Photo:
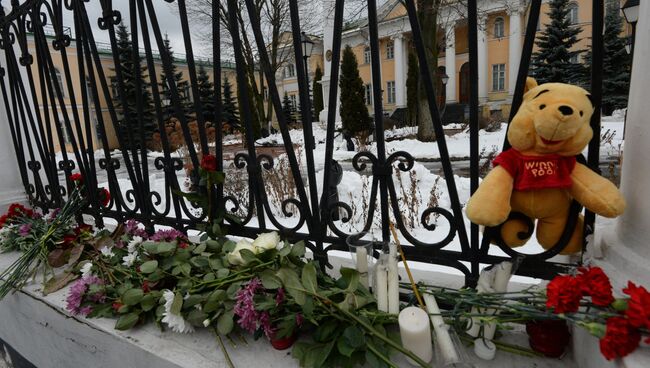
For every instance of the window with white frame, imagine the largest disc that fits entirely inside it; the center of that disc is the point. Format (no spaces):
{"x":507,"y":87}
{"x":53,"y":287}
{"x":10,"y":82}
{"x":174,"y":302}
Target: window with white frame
{"x":368,"y":94}
{"x":390,"y":89}
{"x":499,"y":27}
{"x":366,"y":55}
{"x":390,"y":50}
{"x":573,"y":13}
{"x":498,"y":77}
{"x":289,"y":71}
{"x":294,"y":101}
{"x":59,"y":81}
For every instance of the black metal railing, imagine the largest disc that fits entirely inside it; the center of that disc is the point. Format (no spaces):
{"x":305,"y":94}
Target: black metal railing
{"x":38,"y":48}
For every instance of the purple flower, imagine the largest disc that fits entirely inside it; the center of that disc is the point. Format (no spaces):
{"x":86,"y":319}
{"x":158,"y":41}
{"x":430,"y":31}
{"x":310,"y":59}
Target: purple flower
{"x":167,"y":235}
{"x":25,"y":229}
{"x":299,"y":319}
{"x":76,"y":295}
{"x":245,"y":306}
{"x":279,"y":297}
{"x":54,"y":213}
{"x":132,"y":227}
{"x":265,"y":323}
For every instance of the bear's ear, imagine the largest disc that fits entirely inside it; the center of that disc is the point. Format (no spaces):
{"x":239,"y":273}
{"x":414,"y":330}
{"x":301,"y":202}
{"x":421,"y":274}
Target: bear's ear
{"x":530,"y":84}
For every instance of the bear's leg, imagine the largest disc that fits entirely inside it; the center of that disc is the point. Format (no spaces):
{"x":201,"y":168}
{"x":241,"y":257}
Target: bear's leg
{"x":511,"y":231}
{"x":549,"y":231}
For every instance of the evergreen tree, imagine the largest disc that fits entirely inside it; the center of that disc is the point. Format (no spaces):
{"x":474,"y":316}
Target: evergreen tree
{"x":182,"y":86}
{"x":134,"y":127}
{"x":354,"y":114}
{"x":552,"y":61}
{"x":318,"y":92}
{"x":287,"y":109}
{"x":229,"y":113}
{"x":412,"y":76}
{"x":206,"y":94}
{"x":617,"y":63}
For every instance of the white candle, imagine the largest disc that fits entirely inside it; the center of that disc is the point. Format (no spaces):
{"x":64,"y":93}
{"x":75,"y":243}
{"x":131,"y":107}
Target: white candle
{"x":416,"y":333}
{"x":502,"y":275}
{"x":447,"y":349}
{"x":393,"y":280}
{"x":485,"y":281}
{"x":380,"y":287}
{"x":362,"y":265}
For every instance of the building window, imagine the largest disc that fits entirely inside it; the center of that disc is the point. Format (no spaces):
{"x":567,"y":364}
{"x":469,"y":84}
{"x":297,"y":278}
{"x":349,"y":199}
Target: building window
{"x":366,"y":55}
{"x":573,"y":13}
{"x":499,"y":27}
{"x":498,"y":77}
{"x":368,"y":94}
{"x":390,"y":88}
{"x":114,"y":88}
{"x":294,"y":102}
{"x":59,"y":81}
{"x":390,"y":50}
{"x":290,"y":71}
{"x":574,"y":59}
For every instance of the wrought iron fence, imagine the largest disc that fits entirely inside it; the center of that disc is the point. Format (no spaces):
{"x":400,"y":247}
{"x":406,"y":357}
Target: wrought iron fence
{"x":40,"y":118}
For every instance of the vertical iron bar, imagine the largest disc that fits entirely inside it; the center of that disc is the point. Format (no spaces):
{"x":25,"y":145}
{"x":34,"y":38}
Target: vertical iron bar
{"x":472,"y":19}
{"x":375,"y":70}
{"x":216,"y":75}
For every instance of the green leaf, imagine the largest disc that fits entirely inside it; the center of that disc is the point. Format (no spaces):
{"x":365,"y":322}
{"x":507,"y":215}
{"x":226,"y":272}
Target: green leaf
{"x":209,"y":277}
{"x":215,"y":263}
{"x":326,"y":331}
{"x":349,"y":279}
{"x":225,"y":323}
{"x":344,"y":348}
{"x":149,"y":266}
{"x":285,"y":251}
{"x":150,"y":247}
{"x":292,"y":284}
{"x":298,"y":249}
{"x":309,"y":277}
{"x":213,"y":245}
{"x":192,"y":300}
{"x":196,"y":317}
{"x":177,"y":305}
{"x":127,"y":321}
{"x":233,"y":289}
{"x":148,"y":302}
{"x":132,"y":296}
{"x":269,"y":280}
{"x":215,"y":301}
{"x":199,"y":248}
{"x":165,"y":247}
{"x":317,"y":354}
{"x":247,"y":256}
{"x":373,"y":361}
{"x":354,"y":336}
{"x":223,"y":272}
{"x":229,"y":246}
{"x":186,"y":269}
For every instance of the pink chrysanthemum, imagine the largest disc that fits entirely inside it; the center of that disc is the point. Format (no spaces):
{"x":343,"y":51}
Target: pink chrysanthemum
{"x":245,"y":306}
{"x":168,"y":235}
{"x":78,"y":291}
{"x":132,"y":227}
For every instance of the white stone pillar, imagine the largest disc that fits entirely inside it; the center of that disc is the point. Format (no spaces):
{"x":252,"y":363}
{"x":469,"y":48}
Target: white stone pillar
{"x":450,"y":63}
{"x":514,"y":48}
{"x":11,"y":187}
{"x":328,"y":38}
{"x":400,"y":67}
{"x":482,"y":59}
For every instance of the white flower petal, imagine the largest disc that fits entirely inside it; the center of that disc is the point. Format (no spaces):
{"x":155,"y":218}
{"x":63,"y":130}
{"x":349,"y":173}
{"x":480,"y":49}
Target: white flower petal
{"x":266,"y":241}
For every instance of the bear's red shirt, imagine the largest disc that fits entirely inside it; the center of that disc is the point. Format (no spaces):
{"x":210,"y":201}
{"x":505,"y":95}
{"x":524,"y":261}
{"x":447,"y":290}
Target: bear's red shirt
{"x":537,"y":172}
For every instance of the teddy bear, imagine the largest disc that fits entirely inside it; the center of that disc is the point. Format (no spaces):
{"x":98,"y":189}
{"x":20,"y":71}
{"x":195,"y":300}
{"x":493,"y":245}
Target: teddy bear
{"x":539,"y":175}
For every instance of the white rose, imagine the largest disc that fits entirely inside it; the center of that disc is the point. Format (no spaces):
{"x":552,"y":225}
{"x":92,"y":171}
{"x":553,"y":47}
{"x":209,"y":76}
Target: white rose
{"x":235,"y":257}
{"x":266,"y":241}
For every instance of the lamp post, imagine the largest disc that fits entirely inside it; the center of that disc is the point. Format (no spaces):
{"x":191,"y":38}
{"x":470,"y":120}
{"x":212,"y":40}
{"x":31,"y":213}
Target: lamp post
{"x":631,"y":13}
{"x":307,"y":48}
{"x":444,"y":78}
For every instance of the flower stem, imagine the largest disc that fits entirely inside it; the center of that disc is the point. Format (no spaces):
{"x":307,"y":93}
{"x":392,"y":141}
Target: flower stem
{"x":381,"y":356}
{"x":223,"y":349}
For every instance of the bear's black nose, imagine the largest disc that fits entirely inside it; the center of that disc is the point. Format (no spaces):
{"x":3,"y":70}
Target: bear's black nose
{"x":565,"y":110}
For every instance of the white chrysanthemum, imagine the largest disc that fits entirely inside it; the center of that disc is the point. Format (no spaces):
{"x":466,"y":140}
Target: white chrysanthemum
{"x":129,"y":259}
{"x":133,"y":244}
{"x":86,"y":270}
{"x":107,"y":252}
{"x":206,"y":322}
{"x":266,"y":241}
{"x":175,"y":322}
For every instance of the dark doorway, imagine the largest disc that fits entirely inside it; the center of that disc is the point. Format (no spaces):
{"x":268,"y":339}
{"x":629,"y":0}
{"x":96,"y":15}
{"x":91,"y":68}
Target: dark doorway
{"x":441,"y":91}
{"x":464,"y":84}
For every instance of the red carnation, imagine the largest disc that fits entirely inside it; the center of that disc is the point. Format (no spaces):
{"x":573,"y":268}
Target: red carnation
{"x":563,"y":294}
{"x":145,"y":286}
{"x":77,"y":177}
{"x":595,"y":283}
{"x":209,"y":163}
{"x":104,"y":196}
{"x":3,"y":220}
{"x":17,"y":209}
{"x":183,"y":245}
{"x":638,"y":307}
{"x":116,"y":306}
{"x":68,"y":239}
{"x":621,"y":338}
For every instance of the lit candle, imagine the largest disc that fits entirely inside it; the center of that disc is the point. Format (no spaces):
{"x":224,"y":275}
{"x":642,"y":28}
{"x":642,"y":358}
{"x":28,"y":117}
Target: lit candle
{"x":362,"y":265}
{"x":380,"y":287}
{"x":443,"y":339}
{"x":416,"y":333}
{"x":393,"y":280}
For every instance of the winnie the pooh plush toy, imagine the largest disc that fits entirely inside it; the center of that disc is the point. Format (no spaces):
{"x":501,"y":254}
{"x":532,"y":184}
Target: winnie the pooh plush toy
{"x":539,"y":175}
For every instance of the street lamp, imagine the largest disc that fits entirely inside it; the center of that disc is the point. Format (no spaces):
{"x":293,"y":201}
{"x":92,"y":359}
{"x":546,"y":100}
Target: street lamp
{"x":444,"y":78}
{"x":307,"y":48}
{"x":631,"y":13}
